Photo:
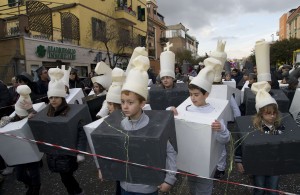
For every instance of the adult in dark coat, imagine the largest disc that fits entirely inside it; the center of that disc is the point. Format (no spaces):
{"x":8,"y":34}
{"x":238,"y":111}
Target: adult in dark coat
{"x":74,"y":81}
{"x":5,"y":101}
{"x":43,"y":80}
{"x":13,"y":91}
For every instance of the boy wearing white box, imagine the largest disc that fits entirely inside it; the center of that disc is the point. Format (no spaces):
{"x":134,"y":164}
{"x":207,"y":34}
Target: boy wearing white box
{"x":199,"y":89}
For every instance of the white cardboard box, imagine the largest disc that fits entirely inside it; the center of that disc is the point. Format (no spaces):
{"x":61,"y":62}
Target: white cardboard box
{"x":198,"y":149}
{"x":75,"y":96}
{"x":16,"y":151}
{"x":231,"y":83}
{"x":89,"y":128}
{"x":225,"y":92}
{"x":295,"y":106}
{"x":243,"y":91}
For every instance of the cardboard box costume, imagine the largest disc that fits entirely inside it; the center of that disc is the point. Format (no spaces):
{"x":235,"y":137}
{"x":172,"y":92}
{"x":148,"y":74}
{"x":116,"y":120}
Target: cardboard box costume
{"x":146,"y":146}
{"x":16,"y":151}
{"x":198,"y":148}
{"x":274,"y":154}
{"x":59,"y":130}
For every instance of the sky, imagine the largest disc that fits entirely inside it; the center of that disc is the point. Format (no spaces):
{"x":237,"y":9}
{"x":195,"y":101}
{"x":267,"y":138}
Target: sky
{"x":238,"y":22}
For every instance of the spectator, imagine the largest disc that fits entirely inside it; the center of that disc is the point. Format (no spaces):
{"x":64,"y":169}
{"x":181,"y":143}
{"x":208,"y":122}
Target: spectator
{"x":43,"y":80}
{"x":74,"y":81}
{"x":12,"y":91}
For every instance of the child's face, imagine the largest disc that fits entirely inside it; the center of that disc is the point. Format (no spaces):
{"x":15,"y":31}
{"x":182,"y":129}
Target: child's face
{"x":131,"y":106}
{"x":97,"y":88}
{"x":269,"y":116}
{"x":167,"y":82}
{"x":197,"y":97}
{"x":110,"y":107}
{"x":55,"y":102}
{"x":251,"y":81}
{"x":228,"y":77}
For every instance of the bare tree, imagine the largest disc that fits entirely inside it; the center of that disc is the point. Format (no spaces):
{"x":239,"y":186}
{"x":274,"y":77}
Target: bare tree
{"x":111,"y":34}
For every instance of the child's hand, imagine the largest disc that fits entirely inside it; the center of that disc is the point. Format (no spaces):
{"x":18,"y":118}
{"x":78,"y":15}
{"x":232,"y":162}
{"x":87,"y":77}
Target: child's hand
{"x":100,"y":175}
{"x":216,"y":126}
{"x":164,"y":187}
{"x":31,"y":115}
{"x":26,"y":105}
{"x":240,"y":167}
{"x":173,"y":109}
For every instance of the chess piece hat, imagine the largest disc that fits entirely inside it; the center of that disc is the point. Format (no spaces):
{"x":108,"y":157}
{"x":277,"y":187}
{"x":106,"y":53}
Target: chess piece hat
{"x":114,"y":92}
{"x":262,"y":98}
{"x":136,"y":52}
{"x":262,"y":55}
{"x":219,"y":54}
{"x":137,"y":78}
{"x":104,"y":72}
{"x":167,"y":62}
{"x":56,"y":86}
{"x":66,"y":75}
{"x":205,"y":77}
{"x":23,"y":91}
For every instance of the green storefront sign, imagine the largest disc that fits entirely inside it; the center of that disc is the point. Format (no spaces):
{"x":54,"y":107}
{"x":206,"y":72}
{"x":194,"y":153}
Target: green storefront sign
{"x":56,"y":52}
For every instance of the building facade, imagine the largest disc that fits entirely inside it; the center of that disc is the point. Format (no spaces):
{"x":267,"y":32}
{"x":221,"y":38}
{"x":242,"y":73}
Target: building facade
{"x":177,"y":34}
{"x":293,"y":24}
{"x":75,"y":33}
{"x":155,"y":34}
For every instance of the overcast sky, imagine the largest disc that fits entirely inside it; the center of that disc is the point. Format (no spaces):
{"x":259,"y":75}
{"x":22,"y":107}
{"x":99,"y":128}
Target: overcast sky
{"x":239,"y":22}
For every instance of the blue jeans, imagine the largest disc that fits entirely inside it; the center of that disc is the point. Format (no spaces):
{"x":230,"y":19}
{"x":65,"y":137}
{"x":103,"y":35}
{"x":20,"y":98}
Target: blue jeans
{"x":270,"y":182}
{"x":123,"y":192}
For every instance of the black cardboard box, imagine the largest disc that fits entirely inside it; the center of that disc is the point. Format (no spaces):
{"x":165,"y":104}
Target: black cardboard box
{"x":94,"y":104}
{"x":265,"y":154}
{"x":280,"y":97}
{"x":146,"y":146}
{"x":160,"y":98}
{"x":59,"y":130}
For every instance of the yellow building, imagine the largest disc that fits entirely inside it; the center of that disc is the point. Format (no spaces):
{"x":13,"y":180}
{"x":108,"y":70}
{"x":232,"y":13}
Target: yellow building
{"x":77,"y":33}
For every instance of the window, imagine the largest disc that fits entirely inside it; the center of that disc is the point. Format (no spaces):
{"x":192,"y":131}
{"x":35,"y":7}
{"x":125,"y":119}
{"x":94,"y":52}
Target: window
{"x":98,"y":29}
{"x":141,"y":13}
{"x":124,"y":37}
{"x":142,"y":41}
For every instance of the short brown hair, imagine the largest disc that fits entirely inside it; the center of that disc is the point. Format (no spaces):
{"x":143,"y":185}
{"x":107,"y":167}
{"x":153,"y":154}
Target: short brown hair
{"x":139,"y":97}
{"x":192,"y":86}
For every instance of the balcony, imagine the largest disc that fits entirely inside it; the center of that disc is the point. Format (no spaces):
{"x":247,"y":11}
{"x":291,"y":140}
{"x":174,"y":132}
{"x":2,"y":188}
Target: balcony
{"x":125,"y":15}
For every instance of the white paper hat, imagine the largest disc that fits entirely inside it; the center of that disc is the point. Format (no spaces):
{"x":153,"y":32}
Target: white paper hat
{"x":114,"y":92}
{"x":137,"y":78}
{"x":216,"y":65}
{"x":24,"y":92}
{"x":104,"y":72}
{"x":66,"y":75}
{"x":136,"y":52}
{"x":56,"y":86}
{"x":167,"y":62}
{"x":262,"y":56}
{"x":221,"y":55}
{"x":204,"y":79}
{"x":262,"y":98}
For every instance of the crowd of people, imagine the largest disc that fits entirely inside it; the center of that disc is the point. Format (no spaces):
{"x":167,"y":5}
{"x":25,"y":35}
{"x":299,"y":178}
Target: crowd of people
{"x":130,"y":96}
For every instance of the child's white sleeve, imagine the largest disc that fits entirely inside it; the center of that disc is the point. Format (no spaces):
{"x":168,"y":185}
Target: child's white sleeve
{"x":104,"y":110}
{"x":223,"y":136}
{"x":171,"y":164}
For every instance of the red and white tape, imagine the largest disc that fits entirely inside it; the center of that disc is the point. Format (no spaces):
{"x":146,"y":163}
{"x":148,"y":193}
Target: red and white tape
{"x":141,"y":165}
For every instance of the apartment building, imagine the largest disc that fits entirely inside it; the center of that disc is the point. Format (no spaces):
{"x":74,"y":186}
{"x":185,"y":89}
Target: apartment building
{"x":177,"y":34}
{"x":77,"y":33}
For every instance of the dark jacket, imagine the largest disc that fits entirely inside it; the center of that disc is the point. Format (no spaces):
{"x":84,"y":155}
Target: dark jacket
{"x":6,"y":107}
{"x":65,"y":163}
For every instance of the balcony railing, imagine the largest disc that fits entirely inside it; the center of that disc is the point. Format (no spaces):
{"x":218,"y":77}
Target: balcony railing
{"x":126,"y":9}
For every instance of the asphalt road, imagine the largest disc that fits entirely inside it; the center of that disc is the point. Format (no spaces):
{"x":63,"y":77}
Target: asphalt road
{"x":87,"y":177}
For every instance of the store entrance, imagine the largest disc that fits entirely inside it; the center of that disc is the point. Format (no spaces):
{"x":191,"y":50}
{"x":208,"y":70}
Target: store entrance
{"x":55,"y":64}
